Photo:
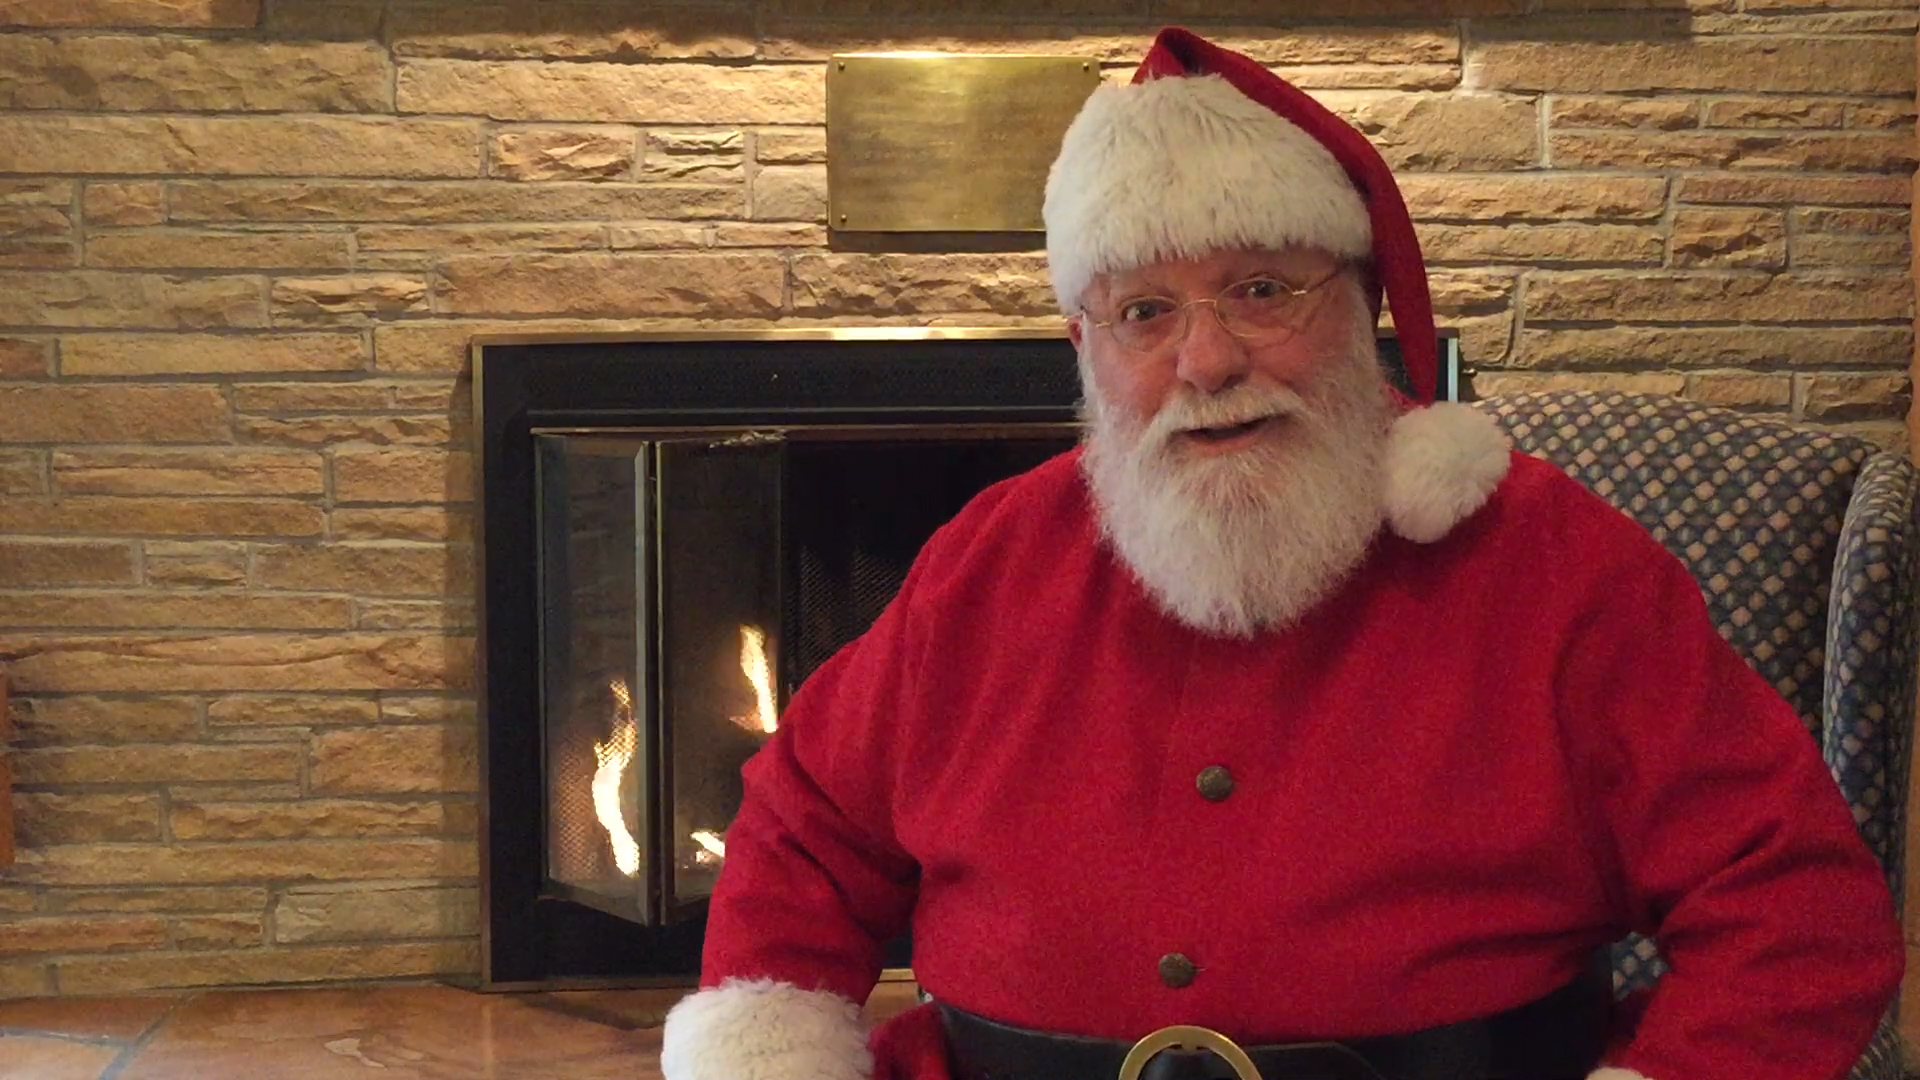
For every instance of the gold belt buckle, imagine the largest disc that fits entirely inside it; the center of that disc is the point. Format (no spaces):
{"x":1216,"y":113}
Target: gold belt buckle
{"x":1187,"y":1037}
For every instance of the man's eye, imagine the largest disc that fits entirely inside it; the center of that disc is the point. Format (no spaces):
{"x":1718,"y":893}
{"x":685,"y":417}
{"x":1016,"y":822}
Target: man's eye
{"x":1261,"y":288}
{"x":1144,"y":310}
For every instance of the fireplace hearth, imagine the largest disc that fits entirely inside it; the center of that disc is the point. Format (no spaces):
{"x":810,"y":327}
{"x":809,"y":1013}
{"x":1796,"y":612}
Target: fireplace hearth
{"x":676,"y":530}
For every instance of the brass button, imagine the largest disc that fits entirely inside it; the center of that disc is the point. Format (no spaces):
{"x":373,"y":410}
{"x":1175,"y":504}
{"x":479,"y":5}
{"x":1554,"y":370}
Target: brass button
{"x":1177,"y":971}
{"x":1215,"y":783}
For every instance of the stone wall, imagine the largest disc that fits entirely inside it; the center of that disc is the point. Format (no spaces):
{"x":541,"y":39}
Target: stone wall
{"x":243,"y":246}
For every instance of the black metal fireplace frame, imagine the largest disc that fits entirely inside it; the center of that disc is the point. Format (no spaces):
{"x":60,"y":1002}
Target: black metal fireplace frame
{"x":533,"y":936}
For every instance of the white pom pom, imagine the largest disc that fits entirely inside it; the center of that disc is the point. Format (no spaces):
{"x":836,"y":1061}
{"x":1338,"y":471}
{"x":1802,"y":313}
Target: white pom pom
{"x":1443,"y":461}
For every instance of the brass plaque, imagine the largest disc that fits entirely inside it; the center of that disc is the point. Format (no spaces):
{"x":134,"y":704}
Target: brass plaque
{"x":945,"y":143}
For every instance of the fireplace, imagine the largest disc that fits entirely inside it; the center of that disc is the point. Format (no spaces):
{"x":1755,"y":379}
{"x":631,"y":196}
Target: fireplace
{"x":676,"y":531}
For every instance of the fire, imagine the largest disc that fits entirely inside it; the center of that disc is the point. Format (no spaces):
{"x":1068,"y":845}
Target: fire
{"x":753,"y":661}
{"x":613,"y":757}
{"x":711,"y":842}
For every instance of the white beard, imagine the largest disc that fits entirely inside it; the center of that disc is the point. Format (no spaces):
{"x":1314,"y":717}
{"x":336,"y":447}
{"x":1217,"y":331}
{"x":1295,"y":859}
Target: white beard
{"x":1249,"y":540}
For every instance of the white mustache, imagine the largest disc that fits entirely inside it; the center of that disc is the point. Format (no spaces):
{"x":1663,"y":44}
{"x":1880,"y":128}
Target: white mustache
{"x":1241,"y":405}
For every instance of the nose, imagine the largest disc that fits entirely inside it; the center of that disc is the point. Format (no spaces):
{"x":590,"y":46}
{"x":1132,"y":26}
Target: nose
{"x":1210,"y":359}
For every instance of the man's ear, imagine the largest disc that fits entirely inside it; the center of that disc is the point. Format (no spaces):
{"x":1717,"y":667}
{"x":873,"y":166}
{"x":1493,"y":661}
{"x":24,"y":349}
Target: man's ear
{"x":1076,"y":330}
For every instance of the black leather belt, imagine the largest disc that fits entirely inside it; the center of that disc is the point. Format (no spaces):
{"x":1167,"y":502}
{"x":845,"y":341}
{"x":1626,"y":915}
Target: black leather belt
{"x":1558,"y":1037}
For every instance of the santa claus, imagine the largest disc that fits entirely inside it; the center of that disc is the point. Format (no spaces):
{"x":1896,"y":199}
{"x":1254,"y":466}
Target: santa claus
{"x":1291,"y":726}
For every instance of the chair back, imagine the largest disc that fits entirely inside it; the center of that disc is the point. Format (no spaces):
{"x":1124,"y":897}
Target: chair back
{"x":1804,"y":544}
{"x":1752,"y":505}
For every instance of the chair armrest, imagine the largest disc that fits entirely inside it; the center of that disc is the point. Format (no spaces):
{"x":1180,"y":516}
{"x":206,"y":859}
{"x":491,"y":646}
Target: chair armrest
{"x":1882,"y":1060}
{"x":1872,"y":632}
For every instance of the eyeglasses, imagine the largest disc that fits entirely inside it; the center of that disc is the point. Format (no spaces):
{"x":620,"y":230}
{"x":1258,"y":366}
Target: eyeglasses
{"x":1258,"y":308}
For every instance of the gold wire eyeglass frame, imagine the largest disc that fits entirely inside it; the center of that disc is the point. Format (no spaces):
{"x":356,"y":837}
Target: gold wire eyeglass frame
{"x":1183,"y":311}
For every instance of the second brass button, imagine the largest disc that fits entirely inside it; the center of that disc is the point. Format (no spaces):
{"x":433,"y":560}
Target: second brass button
{"x":1177,"y":971}
{"x":1215,"y":783}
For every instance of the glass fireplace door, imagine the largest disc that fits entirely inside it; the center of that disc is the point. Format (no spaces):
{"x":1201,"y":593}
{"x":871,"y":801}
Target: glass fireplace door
{"x":660,"y":638}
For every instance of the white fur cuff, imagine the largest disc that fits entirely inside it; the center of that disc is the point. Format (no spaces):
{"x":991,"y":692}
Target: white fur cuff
{"x":1443,"y":461}
{"x":764,"y":1030}
{"x":1611,"y":1073}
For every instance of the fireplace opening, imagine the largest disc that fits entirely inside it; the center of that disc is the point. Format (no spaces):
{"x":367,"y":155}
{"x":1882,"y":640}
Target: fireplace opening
{"x":691,"y":580}
{"x":675,"y":531}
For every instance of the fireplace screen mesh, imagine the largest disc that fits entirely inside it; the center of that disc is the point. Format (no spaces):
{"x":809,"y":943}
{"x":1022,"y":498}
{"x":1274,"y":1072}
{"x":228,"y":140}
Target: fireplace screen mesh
{"x":718,"y":530}
{"x":859,"y":511}
{"x":660,"y":650}
{"x":589,"y":643}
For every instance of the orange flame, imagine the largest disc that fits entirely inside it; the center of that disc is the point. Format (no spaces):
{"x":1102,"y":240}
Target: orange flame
{"x":613,"y":757}
{"x":759,"y":672}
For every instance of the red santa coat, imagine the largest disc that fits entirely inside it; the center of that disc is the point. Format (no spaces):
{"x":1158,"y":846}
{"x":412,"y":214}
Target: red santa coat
{"x":1476,"y":762}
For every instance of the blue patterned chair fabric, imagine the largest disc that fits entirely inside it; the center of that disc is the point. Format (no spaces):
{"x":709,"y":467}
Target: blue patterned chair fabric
{"x":1804,"y":545}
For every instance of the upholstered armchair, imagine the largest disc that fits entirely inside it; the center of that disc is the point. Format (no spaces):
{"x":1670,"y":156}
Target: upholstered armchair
{"x":1805,"y":546}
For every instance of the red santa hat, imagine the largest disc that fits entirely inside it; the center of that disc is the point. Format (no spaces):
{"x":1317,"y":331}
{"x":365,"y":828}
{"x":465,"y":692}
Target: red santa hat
{"x":1206,"y":150}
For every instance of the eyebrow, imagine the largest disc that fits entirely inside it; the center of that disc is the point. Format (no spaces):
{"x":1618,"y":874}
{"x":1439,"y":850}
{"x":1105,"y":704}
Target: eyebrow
{"x":1117,"y":291}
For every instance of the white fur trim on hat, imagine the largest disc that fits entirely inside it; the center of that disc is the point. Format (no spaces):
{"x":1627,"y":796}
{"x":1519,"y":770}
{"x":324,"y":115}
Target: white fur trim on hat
{"x":1611,"y":1073}
{"x":1442,"y":462}
{"x":1181,"y":166}
{"x":760,"y":1029}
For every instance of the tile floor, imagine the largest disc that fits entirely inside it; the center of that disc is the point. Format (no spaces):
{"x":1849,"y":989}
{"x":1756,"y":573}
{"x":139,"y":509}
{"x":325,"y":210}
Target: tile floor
{"x":420,"y":1032}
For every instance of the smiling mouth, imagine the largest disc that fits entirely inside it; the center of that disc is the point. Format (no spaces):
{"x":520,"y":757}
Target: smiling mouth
{"x":1230,"y":432}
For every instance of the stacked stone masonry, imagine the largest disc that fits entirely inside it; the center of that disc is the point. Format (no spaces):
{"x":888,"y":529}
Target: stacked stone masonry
{"x":244,"y":243}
